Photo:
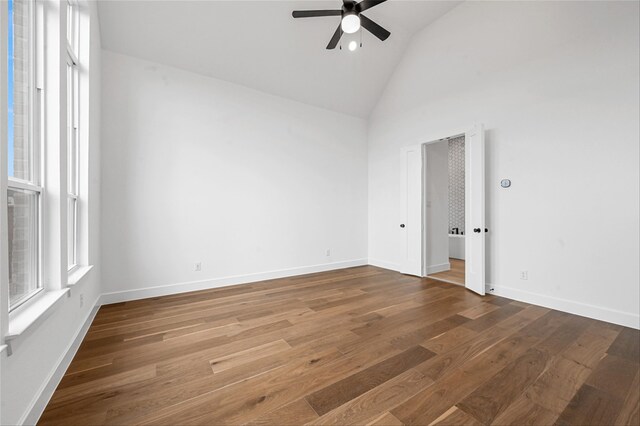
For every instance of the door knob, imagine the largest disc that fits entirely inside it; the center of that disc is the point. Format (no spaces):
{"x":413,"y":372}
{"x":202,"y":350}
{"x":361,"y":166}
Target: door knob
{"x":402,"y":225}
{"x":477,"y":230}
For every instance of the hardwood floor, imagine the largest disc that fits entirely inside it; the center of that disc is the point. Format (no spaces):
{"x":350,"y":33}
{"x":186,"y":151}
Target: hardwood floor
{"x":455,"y":275}
{"x":356,"y":346}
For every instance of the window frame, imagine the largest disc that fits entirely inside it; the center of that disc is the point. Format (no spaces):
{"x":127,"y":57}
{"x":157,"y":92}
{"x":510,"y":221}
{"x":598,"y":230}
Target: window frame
{"x":36,"y":165}
{"x":72,"y":162}
{"x":73,"y":133}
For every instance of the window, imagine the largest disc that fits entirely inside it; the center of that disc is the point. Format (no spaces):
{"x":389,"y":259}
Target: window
{"x":72,"y":134}
{"x":24,"y":191}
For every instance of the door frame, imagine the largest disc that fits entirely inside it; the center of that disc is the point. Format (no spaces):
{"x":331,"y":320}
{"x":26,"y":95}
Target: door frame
{"x":437,"y":137}
{"x":425,"y":228}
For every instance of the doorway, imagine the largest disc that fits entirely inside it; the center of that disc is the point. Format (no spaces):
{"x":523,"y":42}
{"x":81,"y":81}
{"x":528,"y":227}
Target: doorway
{"x":444,"y":209}
{"x":418,"y":236}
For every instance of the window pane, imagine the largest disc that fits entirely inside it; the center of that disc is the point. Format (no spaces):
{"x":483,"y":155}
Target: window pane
{"x":19,"y":70}
{"x":72,"y":162}
{"x":71,"y":131}
{"x":72,"y":211}
{"x":23,"y":244}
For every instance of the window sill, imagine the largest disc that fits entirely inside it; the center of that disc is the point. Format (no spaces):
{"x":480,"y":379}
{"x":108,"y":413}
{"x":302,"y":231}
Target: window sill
{"x":78,"y":274}
{"x":33,"y":313}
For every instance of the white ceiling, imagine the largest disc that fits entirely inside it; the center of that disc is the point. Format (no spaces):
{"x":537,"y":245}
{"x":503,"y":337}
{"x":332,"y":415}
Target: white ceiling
{"x":259,"y":45}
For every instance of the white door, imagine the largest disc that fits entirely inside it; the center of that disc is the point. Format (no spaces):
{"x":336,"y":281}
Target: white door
{"x":411,"y":210}
{"x":474,"y":210}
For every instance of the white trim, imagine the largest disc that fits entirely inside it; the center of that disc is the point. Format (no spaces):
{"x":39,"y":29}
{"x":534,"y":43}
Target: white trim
{"x":78,"y":272}
{"x":384,"y":264}
{"x":4,"y":242}
{"x":626,"y":319}
{"x":28,"y":315}
{"x":144,"y":293}
{"x":434,"y":269}
{"x":23,"y":185}
{"x":43,"y":396}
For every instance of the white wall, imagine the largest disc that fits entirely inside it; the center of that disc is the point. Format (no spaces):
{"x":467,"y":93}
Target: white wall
{"x":200,"y":170}
{"x":31,"y":373}
{"x":556,"y":85}
{"x":436,"y":190}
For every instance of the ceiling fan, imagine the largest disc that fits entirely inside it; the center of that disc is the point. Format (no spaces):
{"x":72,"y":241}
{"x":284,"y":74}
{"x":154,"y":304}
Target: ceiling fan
{"x":352,"y":18}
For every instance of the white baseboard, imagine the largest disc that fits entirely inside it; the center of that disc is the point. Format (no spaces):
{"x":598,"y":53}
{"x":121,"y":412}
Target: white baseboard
{"x":434,"y":269}
{"x":144,"y":293}
{"x":42,"y":398}
{"x":626,"y":319}
{"x":384,"y":264}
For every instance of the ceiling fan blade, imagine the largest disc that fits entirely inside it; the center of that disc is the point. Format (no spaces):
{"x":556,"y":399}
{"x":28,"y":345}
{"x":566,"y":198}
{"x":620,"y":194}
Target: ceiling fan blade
{"x":367,"y":4}
{"x":315,"y":13}
{"x":374,"y":28}
{"x":335,"y":39}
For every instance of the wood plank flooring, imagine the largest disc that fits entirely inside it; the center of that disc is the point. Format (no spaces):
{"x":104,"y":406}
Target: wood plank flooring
{"x":454,"y":275}
{"x":355,"y":346}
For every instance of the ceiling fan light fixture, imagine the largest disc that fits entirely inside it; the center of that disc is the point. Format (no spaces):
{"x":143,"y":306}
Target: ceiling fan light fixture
{"x":353,"y":45}
{"x":350,"y":20}
{"x":350,"y":23}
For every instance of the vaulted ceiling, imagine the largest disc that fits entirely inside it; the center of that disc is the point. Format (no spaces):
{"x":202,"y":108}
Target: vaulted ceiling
{"x":259,"y":45}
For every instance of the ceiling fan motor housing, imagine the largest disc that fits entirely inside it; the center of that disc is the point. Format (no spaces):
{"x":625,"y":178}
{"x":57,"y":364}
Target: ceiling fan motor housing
{"x":349,"y":8}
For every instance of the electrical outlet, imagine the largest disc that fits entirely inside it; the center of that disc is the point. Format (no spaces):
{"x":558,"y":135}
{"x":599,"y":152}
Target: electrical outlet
{"x":524,"y":275}
{"x":328,"y":252}
{"x":81,"y":300}
{"x":198,"y":267}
